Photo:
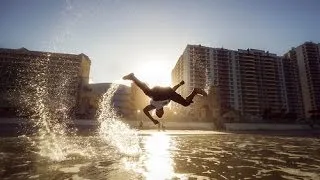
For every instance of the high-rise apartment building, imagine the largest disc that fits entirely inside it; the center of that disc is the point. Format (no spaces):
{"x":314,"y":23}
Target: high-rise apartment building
{"x":192,"y":68}
{"x":250,"y":81}
{"x":293,"y":95}
{"x":306,"y":59}
{"x":261,"y":85}
{"x":53,"y":78}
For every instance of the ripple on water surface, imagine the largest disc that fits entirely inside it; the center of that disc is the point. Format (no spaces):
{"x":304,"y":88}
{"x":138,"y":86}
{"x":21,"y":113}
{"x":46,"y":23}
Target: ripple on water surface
{"x":206,"y":156}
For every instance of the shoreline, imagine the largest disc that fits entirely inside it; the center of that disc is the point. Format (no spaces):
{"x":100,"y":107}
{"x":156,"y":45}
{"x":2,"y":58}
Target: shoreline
{"x":293,"y":134}
{"x":11,"y":127}
{"x":92,"y":132}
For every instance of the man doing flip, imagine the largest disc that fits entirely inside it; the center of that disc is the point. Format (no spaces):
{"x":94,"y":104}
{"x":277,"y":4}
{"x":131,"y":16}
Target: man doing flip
{"x":161,"y":96}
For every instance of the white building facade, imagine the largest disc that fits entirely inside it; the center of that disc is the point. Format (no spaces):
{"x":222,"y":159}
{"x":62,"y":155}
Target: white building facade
{"x":249,"y":81}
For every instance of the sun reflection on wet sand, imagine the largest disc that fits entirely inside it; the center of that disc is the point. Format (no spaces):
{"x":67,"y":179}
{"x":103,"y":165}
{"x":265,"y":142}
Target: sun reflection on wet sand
{"x":156,"y":163}
{"x":159,"y":162}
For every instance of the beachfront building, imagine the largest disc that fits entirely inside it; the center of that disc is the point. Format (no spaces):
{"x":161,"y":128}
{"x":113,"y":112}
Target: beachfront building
{"x":30,"y":79}
{"x":293,"y":93}
{"x":251,"y":82}
{"x":260,"y":83}
{"x":306,"y":59}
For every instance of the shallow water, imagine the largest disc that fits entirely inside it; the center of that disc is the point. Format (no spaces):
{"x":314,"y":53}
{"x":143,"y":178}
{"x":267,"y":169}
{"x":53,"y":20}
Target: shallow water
{"x":168,"y":156}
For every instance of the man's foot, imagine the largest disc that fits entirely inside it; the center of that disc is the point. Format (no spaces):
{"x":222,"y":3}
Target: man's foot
{"x":128,"y":77}
{"x":200,"y":91}
{"x":155,"y":122}
{"x":181,"y":82}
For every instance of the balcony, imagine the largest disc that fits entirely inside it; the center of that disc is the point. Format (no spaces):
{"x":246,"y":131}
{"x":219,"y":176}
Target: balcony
{"x":248,"y":77}
{"x":250,"y":95}
{"x":247,"y":63}
{"x":250,"y":98}
{"x":249,"y":83}
{"x":246,"y":56}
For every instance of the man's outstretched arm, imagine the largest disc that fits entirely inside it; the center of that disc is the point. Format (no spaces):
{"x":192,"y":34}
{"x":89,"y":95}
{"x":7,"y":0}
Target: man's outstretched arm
{"x":146,"y":111}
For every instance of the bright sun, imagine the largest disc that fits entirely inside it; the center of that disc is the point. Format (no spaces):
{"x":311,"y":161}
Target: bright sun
{"x":154,"y":73}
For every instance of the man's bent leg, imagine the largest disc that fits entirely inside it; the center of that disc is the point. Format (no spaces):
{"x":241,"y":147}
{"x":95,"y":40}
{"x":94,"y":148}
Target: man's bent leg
{"x":180,"y":100}
{"x":143,"y":86}
{"x":195,"y":92}
{"x":186,"y":102}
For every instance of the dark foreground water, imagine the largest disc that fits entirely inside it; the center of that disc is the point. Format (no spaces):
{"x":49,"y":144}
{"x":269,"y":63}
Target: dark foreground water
{"x":169,"y":156}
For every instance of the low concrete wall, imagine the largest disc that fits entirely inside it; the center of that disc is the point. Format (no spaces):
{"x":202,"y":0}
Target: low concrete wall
{"x":134,"y":124}
{"x":15,"y":123}
{"x":258,"y":126}
{"x":175,"y":125}
{"x":150,"y":125}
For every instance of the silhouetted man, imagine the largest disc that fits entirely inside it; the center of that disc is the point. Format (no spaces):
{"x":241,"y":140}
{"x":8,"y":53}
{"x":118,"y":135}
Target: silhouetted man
{"x":161,"y":96}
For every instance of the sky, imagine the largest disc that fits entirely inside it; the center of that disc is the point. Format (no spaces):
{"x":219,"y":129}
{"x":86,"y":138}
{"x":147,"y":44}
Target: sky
{"x":148,"y":36}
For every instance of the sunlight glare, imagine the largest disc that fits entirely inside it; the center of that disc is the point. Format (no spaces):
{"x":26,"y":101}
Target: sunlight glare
{"x":155,"y":73}
{"x":123,"y":82}
{"x":159,"y":163}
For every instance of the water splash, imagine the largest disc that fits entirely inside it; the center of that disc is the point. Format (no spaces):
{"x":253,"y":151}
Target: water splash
{"x":114,"y":131}
{"x":45,"y":95}
{"x":45,"y":98}
{"x":33,"y":99}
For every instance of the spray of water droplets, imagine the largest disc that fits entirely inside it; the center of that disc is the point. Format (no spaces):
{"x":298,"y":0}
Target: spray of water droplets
{"x":44,"y":97}
{"x":114,"y":131}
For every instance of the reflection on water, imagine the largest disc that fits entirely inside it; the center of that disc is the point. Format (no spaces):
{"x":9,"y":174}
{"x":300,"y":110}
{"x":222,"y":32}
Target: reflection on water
{"x":159,"y":162}
{"x":156,"y":161}
{"x":163,"y":156}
